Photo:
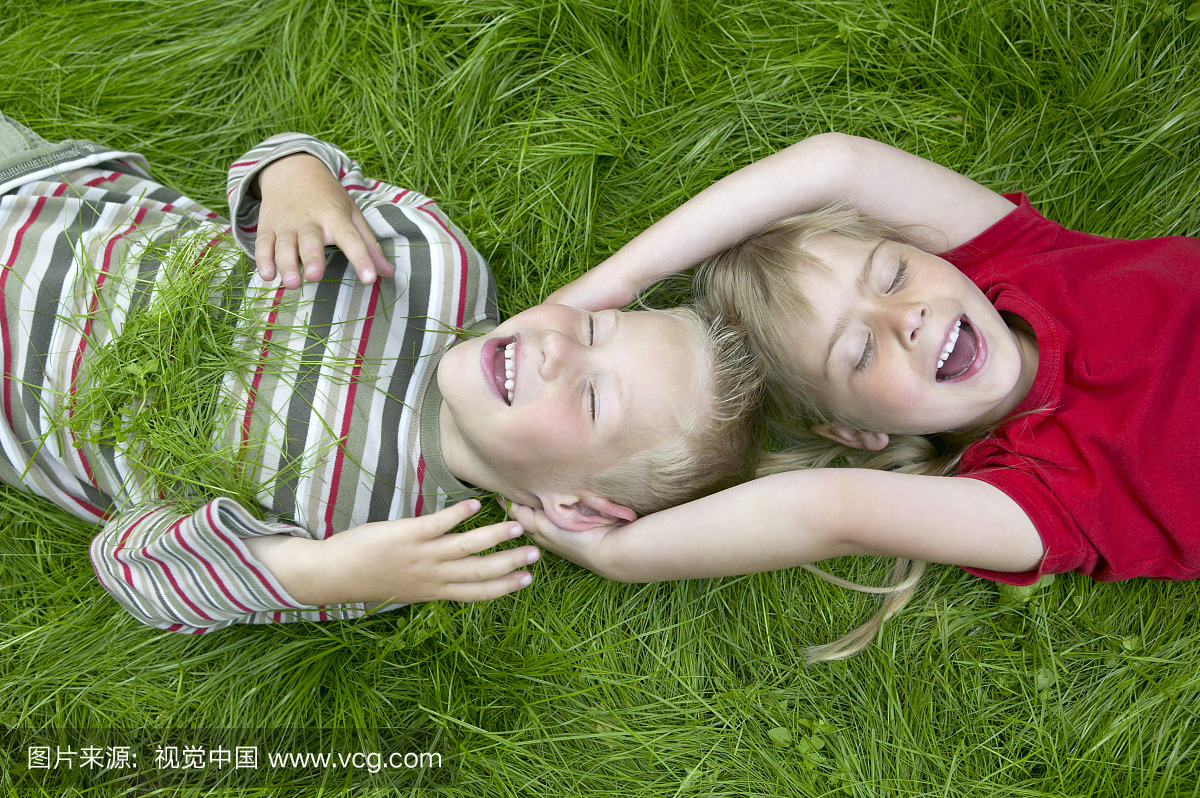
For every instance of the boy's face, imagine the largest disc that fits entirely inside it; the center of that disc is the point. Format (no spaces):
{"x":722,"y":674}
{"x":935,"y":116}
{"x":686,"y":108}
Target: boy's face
{"x":876,"y":347}
{"x":587,"y":389}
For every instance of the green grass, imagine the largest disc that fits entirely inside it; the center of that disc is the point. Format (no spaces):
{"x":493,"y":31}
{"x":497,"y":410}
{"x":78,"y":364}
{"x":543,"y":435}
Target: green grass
{"x":552,"y":132}
{"x":156,"y":390}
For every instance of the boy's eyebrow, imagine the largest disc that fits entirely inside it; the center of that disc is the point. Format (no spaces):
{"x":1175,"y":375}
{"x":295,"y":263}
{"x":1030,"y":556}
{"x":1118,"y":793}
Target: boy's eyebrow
{"x":617,"y":381}
{"x":621,"y":385}
{"x":860,"y":285}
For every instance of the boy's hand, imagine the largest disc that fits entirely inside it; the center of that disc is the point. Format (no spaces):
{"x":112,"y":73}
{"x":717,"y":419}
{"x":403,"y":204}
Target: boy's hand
{"x":595,"y":289}
{"x":304,"y":209}
{"x":401,"y":561}
{"x":582,"y":548}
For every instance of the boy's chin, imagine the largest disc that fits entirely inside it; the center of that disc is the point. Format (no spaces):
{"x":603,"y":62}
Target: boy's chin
{"x":452,"y":367}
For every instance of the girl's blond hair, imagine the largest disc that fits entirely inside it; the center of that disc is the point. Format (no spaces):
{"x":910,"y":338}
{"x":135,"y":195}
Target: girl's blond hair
{"x":753,"y":285}
{"x":716,"y":449}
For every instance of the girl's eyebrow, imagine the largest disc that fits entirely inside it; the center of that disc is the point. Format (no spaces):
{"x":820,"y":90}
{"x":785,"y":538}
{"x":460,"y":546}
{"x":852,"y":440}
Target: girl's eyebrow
{"x":844,"y":320}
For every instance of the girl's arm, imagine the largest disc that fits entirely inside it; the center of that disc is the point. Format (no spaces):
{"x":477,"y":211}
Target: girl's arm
{"x":804,"y":516}
{"x":943,"y":208}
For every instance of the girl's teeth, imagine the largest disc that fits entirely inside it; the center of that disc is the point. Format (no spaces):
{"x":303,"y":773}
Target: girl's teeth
{"x":950,"y":343}
{"x":510,"y":397}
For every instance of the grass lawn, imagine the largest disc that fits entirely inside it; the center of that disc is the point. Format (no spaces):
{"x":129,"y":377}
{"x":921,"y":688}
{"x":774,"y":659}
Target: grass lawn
{"x":552,"y":132}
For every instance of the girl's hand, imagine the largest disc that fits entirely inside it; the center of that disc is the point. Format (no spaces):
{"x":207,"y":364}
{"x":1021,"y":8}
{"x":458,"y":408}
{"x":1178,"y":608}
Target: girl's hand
{"x":596,"y":289}
{"x":582,"y":548}
{"x":304,"y":209}
{"x":401,"y":561}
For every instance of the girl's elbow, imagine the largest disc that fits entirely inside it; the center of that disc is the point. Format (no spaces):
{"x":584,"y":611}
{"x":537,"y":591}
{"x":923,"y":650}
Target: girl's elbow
{"x":821,"y":502}
{"x":826,"y":164}
{"x":832,"y":147}
{"x":830,"y":138}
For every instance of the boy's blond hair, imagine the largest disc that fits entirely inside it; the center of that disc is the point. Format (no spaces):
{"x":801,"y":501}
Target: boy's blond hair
{"x":753,"y":284}
{"x":716,"y":449}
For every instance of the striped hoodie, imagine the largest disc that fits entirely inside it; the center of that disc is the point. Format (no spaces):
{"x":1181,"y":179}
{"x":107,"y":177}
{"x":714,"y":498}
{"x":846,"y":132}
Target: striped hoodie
{"x":338,"y":418}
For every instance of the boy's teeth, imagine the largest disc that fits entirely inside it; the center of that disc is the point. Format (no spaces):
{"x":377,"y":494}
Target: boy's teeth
{"x":950,"y":343}
{"x":510,"y":369}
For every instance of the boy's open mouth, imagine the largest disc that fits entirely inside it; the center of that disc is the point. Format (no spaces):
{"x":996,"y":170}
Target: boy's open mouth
{"x":504,"y":368}
{"x":960,"y":351}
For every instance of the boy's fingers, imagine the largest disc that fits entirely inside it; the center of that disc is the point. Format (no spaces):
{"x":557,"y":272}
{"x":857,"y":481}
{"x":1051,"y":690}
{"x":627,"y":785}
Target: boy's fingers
{"x":474,"y":541}
{"x":382,"y":266}
{"x":490,"y":566}
{"x":484,"y":591}
{"x":350,"y":241}
{"x":287,"y":260}
{"x":437,"y":524}
{"x":312,"y":255}
{"x":264,"y":255}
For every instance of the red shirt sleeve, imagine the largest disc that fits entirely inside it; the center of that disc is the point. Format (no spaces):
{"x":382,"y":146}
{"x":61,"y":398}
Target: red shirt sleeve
{"x":1103,"y":454}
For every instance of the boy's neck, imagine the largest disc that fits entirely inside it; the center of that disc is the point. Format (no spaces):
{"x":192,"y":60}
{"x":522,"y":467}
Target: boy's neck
{"x":455,"y":452}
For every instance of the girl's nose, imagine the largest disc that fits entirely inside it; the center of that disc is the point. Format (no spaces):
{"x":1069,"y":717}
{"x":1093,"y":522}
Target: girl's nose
{"x":908,"y":320}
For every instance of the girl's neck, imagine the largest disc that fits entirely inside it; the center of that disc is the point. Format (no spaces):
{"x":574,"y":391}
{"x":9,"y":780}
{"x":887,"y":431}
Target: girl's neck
{"x":1027,"y":347}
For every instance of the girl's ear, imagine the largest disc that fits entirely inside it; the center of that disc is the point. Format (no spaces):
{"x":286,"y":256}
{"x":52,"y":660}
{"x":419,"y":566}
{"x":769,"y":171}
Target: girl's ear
{"x":850,"y":436}
{"x":577,"y":513}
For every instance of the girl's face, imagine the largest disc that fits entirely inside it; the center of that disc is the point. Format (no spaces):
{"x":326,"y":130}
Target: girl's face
{"x":902,"y":342}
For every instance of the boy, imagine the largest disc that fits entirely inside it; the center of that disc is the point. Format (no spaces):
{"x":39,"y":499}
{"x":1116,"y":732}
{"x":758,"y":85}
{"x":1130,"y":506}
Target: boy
{"x":595,"y":418}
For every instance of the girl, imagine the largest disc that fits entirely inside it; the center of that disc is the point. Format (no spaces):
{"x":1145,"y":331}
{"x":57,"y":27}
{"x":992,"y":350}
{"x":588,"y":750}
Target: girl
{"x":1022,"y":404}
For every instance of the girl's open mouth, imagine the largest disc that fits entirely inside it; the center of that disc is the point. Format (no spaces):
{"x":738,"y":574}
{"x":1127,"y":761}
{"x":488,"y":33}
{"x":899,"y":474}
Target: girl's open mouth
{"x":960,"y":353}
{"x":500,"y":363}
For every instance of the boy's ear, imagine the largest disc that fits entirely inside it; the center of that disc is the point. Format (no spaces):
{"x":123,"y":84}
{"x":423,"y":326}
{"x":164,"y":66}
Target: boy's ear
{"x":576,"y":513}
{"x":850,"y":436}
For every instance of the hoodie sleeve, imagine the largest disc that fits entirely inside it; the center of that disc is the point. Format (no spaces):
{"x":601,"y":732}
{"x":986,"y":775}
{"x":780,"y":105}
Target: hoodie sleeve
{"x":194,"y":574}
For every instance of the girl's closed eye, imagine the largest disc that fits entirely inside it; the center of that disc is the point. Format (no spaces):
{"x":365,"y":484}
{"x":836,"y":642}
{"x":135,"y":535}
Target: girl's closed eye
{"x":869,"y":346}
{"x":868,"y":351}
{"x":901,"y":275}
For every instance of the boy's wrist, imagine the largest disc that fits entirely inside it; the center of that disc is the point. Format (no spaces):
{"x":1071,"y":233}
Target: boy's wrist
{"x":307,"y":569}
{"x":281,"y":169}
{"x":326,"y":574}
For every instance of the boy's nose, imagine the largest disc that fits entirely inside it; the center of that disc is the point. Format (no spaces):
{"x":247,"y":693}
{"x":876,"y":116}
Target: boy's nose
{"x":558,"y":353}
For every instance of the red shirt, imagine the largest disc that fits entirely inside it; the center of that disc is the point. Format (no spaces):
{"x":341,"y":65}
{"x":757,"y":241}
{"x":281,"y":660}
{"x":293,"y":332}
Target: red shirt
{"x":1108,"y":467}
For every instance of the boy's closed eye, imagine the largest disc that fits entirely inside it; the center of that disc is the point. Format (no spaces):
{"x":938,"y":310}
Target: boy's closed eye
{"x":598,"y":329}
{"x":591,"y":339}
